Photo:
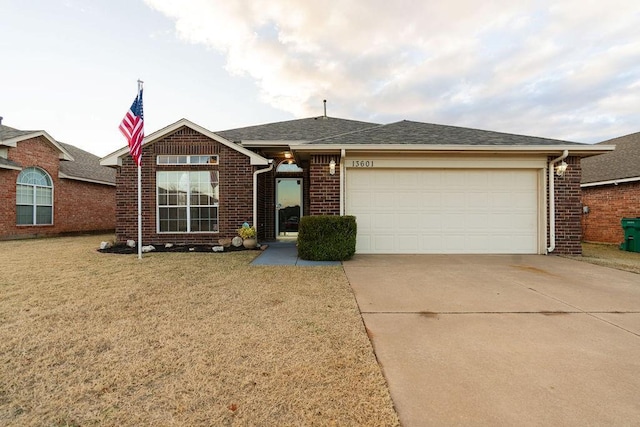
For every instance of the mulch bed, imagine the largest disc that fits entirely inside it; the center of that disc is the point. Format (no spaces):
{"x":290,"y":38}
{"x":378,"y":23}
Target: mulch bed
{"x":126,"y":250}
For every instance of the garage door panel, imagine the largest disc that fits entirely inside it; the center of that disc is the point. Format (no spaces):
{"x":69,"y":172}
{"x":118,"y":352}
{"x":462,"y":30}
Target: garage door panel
{"x":430,"y":200}
{"x":454,"y":181}
{"x":453,"y":199}
{"x":479,"y":200}
{"x":444,"y":210}
{"x":407,"y":200}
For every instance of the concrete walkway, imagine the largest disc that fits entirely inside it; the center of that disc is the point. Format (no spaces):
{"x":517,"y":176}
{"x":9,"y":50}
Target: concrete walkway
{"x":503,"y":340}
{"x":284,"y":252}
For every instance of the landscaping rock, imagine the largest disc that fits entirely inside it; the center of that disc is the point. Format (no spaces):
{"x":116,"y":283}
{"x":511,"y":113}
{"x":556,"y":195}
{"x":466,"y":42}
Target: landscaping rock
{"x":236,"y":241}
{"x":105,"y":245}
{"x":131,"y":243}
{"x":148,"y":248}
{"x":218,"y":249}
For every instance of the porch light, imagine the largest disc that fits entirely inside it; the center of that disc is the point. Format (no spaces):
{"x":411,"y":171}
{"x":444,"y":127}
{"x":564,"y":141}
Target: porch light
{"x":561,"y":168}
{"x":332,"y":167}
{"x":287,"y":155}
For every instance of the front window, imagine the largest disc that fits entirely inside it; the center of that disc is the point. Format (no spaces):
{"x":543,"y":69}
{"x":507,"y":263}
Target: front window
{"x":34,"y":198}
{"x":187,"y":201}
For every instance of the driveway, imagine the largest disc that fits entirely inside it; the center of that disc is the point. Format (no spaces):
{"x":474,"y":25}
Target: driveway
{"x":503,"y":340}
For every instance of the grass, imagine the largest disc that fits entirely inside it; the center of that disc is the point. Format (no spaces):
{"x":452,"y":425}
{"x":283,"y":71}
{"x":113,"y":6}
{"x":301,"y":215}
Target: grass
{"x":179,"y":339}
{"x":608,"y":255}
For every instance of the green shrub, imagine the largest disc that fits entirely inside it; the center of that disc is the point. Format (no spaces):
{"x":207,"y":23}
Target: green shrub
{"x":327,"y":237}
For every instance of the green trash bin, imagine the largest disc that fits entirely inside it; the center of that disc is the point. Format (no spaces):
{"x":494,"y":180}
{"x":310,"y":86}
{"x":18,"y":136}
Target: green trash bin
{"x":631,"y":227}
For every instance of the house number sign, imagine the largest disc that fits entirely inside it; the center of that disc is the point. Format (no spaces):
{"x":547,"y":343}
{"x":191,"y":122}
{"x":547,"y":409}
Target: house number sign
{"x":361,"y":163}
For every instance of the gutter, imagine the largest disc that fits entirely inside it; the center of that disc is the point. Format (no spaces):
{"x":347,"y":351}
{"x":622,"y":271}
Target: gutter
{"x":552,"y":202}
{"x":255,"y":192}
{"x":613,"y":181}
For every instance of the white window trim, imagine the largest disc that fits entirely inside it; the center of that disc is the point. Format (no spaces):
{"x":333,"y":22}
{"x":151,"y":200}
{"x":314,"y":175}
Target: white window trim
{"x":188,"y":207}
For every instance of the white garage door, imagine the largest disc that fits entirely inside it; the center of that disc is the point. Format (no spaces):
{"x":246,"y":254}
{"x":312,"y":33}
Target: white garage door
{"x":444,"y":210}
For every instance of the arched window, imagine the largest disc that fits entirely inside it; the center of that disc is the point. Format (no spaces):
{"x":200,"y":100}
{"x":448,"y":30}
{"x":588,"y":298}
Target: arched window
{"x":288,"y":166}
{"x":34,"y":197}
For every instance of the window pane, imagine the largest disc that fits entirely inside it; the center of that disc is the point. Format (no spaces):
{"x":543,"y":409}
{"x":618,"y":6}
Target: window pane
{"x":24,"y":215}
{"x":173,"y":219}
{"x":34,"y":176}
{"x":43,"y":196}
{"x":24,"y":194}
{"x":204,"y":219}
{"x":43,"y":215}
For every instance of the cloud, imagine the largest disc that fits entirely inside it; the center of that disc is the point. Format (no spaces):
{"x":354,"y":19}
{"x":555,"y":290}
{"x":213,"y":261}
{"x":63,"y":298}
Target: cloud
{"x":563,"y":69}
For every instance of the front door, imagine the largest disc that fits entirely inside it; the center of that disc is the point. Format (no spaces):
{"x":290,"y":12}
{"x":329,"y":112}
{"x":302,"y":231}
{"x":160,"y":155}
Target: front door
{"x":288,"y":206}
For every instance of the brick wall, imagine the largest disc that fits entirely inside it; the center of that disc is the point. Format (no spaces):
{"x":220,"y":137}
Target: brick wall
{"x":235,"y":189}
{"x":608,"y":204}
{"x":78,"y":206}
{"x":568,"y":209}
{"x":324,"y":191}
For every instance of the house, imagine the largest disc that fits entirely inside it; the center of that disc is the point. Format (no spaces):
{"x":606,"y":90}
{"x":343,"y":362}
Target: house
{"x":413,"y":187}
{"x":51,"y":188}
{"x":611,"y":190}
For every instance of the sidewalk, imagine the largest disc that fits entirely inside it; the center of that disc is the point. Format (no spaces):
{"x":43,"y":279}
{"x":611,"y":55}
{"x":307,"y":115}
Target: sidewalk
{"x":286,"y":253}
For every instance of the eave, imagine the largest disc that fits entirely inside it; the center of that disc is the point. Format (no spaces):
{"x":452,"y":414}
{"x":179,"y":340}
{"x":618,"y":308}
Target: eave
{"x":93,"y":181}
{"x":610,"y":182}
{"x":303,"y":150}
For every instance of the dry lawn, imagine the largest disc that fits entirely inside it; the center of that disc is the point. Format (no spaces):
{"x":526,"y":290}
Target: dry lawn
{"x":179,"y":339}
{"x":610,"y":256}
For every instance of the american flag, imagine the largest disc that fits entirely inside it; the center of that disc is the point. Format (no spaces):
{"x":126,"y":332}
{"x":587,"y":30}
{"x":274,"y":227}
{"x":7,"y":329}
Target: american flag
{"x":132,"y":127}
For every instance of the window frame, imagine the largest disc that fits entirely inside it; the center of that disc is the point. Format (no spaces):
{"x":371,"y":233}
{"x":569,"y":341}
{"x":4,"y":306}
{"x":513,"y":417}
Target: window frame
{"x":34,"y":195}
{"x":188,"y":205}
{"x":189,"y":159}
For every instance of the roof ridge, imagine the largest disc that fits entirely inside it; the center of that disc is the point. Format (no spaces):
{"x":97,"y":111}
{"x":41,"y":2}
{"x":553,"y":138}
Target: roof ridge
{"x":289,"y":121}
{"x":348,"y":133}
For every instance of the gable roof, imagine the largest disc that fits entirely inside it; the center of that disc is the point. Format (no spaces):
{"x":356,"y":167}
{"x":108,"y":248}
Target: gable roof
{"x":86,"y":167}
{"x":621,"y":164}
{"x":115,"y":158}
{"x":295,"y":130}
{"x":10,"y":137}
{"x":411,"y":135}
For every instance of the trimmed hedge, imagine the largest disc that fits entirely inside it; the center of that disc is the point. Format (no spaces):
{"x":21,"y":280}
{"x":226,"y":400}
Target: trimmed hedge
{"x":327,"y":237}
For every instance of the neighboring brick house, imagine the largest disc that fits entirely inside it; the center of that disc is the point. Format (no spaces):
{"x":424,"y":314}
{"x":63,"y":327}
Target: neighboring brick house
{"x":413,"y":187}
{"x":50,"y":188}
{"x":611,"y":190}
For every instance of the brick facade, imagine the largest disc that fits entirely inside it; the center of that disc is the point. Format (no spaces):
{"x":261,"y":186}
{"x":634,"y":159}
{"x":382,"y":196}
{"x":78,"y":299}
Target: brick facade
{"x":608,"y":204}
{"x":568,"y":210}
{"x":77,"y":206}
{"x":324,"y":191}
{"x":235,"y":174}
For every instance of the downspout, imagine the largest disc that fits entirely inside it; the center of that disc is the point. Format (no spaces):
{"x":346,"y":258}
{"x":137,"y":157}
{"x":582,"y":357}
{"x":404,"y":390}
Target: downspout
{"x":342,"y":170}
{"x":552,"y":201}
{"x":255,"y":192}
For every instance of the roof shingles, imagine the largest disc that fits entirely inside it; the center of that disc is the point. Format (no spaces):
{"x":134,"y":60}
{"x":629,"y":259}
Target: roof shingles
{"x":623,"y":162}
{"x":295,"y":130}
{"x":409,"y":132}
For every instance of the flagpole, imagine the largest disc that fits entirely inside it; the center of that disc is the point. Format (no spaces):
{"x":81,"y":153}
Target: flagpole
{"x":140,"y":191}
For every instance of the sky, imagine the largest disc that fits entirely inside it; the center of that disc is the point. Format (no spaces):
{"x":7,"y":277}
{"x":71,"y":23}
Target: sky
{"x":565,"y":69}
